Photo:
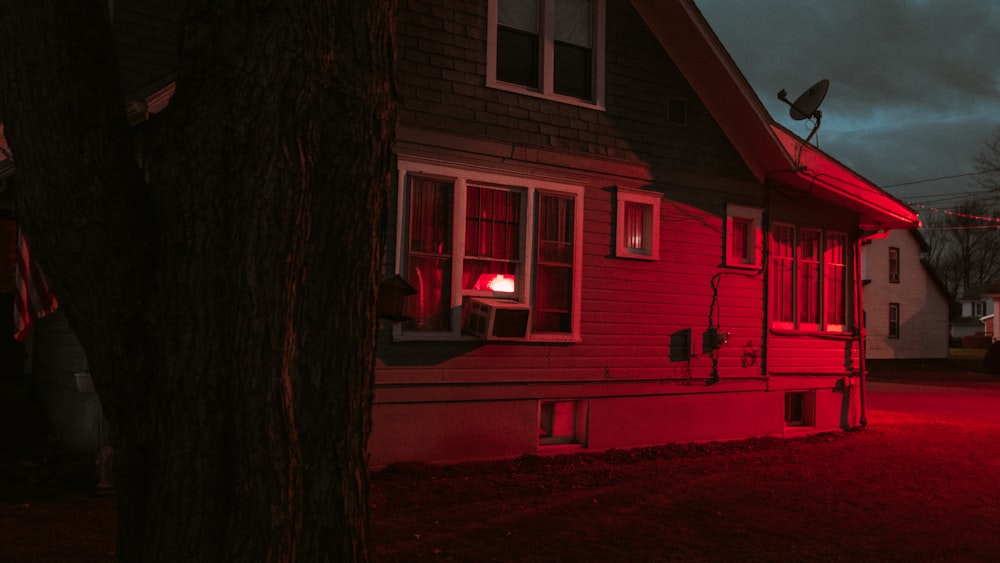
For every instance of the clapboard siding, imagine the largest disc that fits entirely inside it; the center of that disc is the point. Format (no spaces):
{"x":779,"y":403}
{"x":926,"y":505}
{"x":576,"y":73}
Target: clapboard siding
{"x":645,"y":324}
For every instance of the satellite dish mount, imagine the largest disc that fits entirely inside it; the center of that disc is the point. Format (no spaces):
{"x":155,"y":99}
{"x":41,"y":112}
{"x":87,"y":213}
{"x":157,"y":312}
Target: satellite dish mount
{"x":806,"y":106}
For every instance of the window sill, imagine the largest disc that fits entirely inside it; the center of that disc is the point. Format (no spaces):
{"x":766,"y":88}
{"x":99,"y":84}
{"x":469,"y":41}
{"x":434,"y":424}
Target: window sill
{"x":558,"y":449}
{"x":534,"y":339}
{"x":517,"y":89}
{"x":744,"y":267}
{"x":839,"y":335}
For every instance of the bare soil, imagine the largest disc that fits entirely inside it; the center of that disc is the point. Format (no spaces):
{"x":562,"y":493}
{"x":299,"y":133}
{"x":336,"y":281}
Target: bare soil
{"x":905,"y":488}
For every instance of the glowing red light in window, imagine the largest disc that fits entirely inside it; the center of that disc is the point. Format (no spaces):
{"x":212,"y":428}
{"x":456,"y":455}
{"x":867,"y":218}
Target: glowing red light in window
{"x":495,"y":282}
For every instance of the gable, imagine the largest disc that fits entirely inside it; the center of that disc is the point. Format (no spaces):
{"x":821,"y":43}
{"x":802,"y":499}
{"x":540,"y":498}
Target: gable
{"x":771,"y":152}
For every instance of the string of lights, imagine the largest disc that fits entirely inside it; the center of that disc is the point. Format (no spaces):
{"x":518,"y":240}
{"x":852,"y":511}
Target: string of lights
{"x":954,"y":213}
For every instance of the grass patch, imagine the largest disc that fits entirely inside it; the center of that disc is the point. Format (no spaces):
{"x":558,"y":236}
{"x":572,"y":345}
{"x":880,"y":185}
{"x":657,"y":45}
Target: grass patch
{"x":966,"y":353}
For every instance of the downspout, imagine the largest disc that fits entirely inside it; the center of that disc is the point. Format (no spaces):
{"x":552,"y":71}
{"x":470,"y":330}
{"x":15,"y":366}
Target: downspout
{"x":765,"y":265}
{"x":865,"y":237}
{"x":860,"y":330}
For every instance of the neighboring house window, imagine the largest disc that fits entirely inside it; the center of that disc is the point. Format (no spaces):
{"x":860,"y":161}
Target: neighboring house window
{"x":979,"y":308}
{"x":808,"y":279}
{"x":893,"y":320}
{"x":893,"y":265}
{"x":637,"y":224}
{"x":548,"y":48}
{"x":510,"y":243}
{"x":743,"y":236}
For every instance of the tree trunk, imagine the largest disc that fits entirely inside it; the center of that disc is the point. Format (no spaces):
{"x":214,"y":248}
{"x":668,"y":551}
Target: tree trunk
{"x":225,"y":299}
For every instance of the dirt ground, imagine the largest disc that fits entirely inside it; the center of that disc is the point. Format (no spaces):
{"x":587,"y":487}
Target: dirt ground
{"x":906,"y":488}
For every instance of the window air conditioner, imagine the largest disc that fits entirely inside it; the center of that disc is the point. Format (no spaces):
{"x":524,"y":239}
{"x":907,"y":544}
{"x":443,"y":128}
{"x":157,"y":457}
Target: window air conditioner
{"x":496,"y":319}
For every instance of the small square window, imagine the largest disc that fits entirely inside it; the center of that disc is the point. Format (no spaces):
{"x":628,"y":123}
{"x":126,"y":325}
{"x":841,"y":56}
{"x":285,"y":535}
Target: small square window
{"x":637,"y":224}
{"x":562,"y":422}
{"x":800,"y":409}
{"x":743,"y":236}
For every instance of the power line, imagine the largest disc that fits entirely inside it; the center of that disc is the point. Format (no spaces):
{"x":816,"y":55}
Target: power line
{"x":926,"y":180}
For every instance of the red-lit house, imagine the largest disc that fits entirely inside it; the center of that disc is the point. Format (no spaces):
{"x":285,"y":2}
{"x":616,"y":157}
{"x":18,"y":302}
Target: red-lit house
{"x":612,"y":244}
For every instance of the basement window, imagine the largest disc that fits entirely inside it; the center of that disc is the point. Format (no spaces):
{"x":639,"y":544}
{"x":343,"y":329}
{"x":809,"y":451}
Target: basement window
{"x":562,"y":422}
{"x":800,"y":409}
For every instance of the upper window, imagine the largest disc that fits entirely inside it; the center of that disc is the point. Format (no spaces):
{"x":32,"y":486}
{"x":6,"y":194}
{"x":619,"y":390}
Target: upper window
{"x":893,"y":265}
{"x":979,"y":308}
{"x":808,"y":282}
{"x":637,"y":224}
{"x":743,"y":236}
{"x":493,"y":256}
{"x":549,"y":48}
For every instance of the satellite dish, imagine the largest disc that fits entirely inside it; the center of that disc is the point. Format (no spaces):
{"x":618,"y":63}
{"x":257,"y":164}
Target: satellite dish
{"x":807,"y":105}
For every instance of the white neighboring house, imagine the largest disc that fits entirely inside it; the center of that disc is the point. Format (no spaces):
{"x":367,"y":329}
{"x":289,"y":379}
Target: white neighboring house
{"x":906,"y":307}
{"x":989,"y":300}
{"x":976,"y":313}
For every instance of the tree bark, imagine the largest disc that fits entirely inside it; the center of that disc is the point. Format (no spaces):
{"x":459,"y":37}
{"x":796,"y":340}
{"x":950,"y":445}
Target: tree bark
{"x":225,"y":295}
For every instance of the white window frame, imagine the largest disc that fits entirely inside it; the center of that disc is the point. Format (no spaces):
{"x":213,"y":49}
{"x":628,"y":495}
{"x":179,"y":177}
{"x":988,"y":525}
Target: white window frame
{"x":562,"y":422}
{"x":894,"y":264}
{"x":529,"y":187}
{"x":651,"y":224}
{"x":547,"y":40}
{"x":846,"y":268}
{"x":756,"y":217}
{"x":796,"y":324}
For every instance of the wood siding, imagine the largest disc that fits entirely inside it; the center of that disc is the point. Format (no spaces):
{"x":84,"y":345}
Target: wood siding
{"x":630,"y":365}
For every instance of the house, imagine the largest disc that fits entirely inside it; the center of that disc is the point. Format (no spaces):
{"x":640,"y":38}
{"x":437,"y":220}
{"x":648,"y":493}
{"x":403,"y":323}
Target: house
{"x":906,"y":306}
{"x":974,"y":324}
{"x":990,"y":295}
{"x":606,"y":239}
{"x":610,"y":241}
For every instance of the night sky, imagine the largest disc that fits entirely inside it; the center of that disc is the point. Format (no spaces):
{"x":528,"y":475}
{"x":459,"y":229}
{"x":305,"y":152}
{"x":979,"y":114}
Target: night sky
{"x":914,"y":84}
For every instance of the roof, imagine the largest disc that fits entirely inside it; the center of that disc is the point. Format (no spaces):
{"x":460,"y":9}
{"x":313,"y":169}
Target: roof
{"x":773,"y":154}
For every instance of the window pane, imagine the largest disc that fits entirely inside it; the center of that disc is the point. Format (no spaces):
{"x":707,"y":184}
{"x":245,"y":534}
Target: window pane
{"x":572,"y":72}
{"x":742,"y":240}
{"x":894,"y":265}
{"x":836,"y":280}
{"x":492,"y":239}
{"x":809,"y":280}
{"x":429,"y":260}
{"x":554,"y":273}
{"x":517,"y":57}
{"x":636,"y":222}
{"x":492,"y":224}
{"x":893,"y":320}
{"x":573,"y":22}
{"x":782,"y":262}
{"x":573,"y":62}
{"x":518,"y":14}
{"x":518,"y":42}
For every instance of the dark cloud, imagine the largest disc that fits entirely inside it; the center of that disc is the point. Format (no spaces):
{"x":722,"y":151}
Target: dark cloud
{"x":914,"y":85}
